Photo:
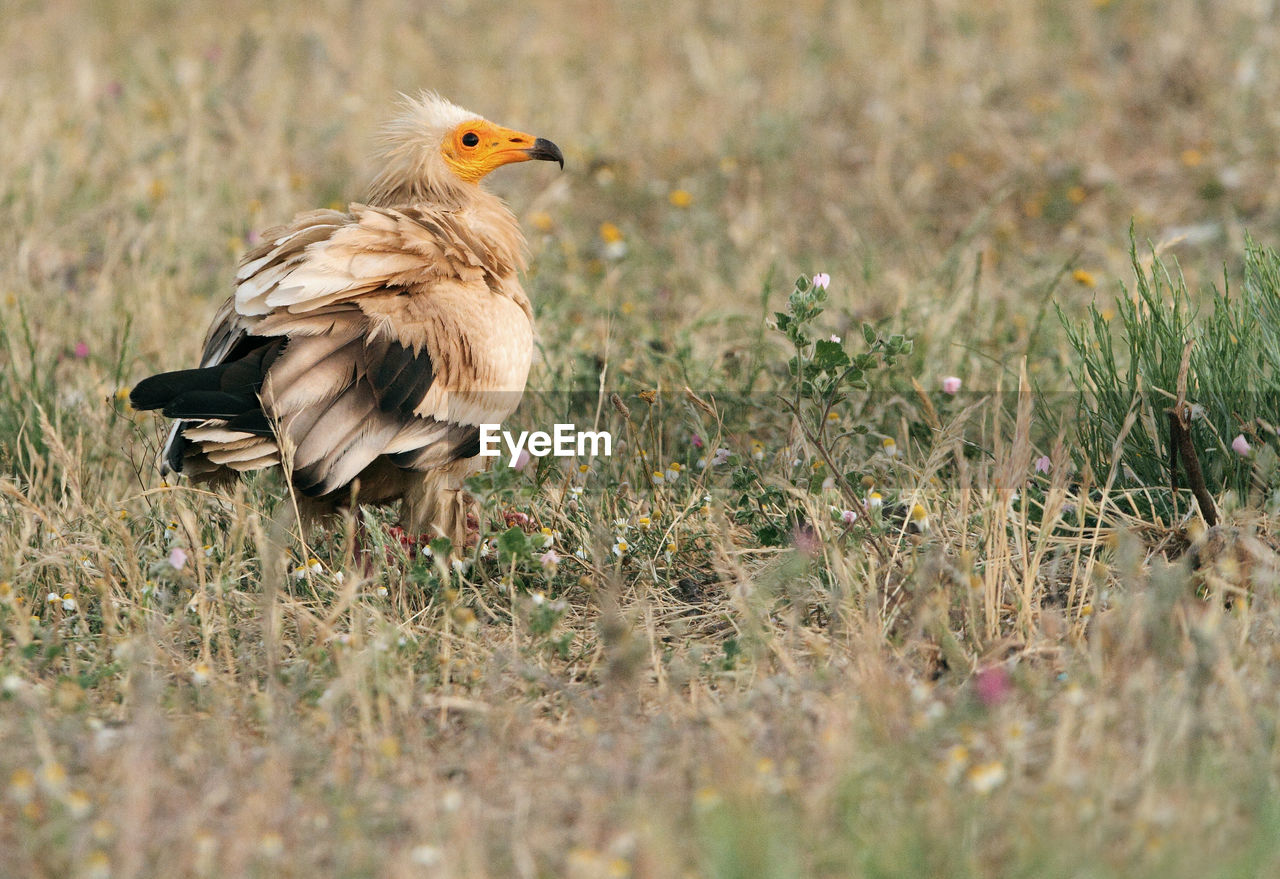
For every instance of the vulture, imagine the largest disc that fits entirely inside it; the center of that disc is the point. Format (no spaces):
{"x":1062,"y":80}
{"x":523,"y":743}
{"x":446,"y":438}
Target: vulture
{"x":362,"y":349}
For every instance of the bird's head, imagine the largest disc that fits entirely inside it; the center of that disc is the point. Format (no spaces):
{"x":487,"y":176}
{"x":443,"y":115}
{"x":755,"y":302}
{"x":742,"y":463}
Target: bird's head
{"x":434,"y":150}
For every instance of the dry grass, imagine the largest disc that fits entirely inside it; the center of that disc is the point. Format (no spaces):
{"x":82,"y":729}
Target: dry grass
{"x":1014,"y":692}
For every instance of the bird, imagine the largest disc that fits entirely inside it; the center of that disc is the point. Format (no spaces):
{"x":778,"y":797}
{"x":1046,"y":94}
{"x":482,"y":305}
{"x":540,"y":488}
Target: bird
{"x":361,"y":350}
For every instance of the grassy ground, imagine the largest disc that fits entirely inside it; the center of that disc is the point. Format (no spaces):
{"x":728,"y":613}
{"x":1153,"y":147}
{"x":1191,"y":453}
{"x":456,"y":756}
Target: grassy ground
{"x":720,"y":677}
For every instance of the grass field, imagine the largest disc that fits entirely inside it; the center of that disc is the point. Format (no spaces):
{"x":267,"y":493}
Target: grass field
{"x":743,"y":669}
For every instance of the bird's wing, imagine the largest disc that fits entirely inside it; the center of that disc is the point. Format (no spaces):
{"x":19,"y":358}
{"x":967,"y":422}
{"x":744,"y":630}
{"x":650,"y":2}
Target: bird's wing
{"x":375,"y":333}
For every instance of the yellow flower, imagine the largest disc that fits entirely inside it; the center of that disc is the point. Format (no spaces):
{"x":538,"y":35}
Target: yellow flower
{"x":1084,"y":278}
{"x":986,"y":777}
{"x":22,"y":785}
{"x":609,"y":233}
{"x":541,"y":221}
{"x":680,"y":198}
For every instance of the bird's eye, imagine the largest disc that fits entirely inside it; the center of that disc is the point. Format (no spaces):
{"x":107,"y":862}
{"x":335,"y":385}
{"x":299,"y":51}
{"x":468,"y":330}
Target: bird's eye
{"x":470,"y":139}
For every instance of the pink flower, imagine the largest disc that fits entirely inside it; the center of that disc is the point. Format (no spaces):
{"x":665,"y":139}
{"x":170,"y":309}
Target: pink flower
{"x":951,"y":385}
{"x":522,"y":459}
{"x":549,"y":560}
{"x":177,"y":558}
{"x":721,"y":456}
{"x":1240,"y":445}
{"x":696,"y":440}
{"x":81,"y":350}
{"x":806,"y":541}
{"x":992,"y":685}
{"x":848,"y":517}
{"x":1043,"y":464}
{"x":821,"y":280}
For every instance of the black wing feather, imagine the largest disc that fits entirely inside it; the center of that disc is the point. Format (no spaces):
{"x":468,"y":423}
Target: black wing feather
{"x":400,"y":376}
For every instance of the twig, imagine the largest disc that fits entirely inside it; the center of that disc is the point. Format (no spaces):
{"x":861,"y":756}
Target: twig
{"x":1180,"y":445}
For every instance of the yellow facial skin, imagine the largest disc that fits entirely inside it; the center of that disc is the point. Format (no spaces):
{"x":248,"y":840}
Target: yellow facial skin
{"x":477,"y":147}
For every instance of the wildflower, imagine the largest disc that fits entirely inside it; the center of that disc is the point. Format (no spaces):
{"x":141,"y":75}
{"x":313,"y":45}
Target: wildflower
{"x":208,"y":550}
{"x":835,"y":338}
{"x":657,"y":478}
{"x":890,"y":446}
{"x":382,"y":591}
{"x":848,"y":517}
{"x":821,"y":280}
{"x":575,"y":492}
{"x":584,"y":468}
{"x":806,"y":541}
{"x":1043,"y":464}
{"x":706,"y":798}
{"x":669,"y":551}
{"x":992,"y":685}
{"x":177,"y":558}
{"x":81,"y":350}
{"x":1240,"y":445}
{"x":171,"y":531}
{"x":644,"y":522}
{"x":580,"y":554}
{"x":522,"y":459}
{"x":310,"y":566}
{"x":426,"y":855}
{"x":78,"y":804}
{"x":875,"y":500}
{"x":549,"y":560}
{"x":757,"y":450}
{"x":96,"y":866}
{"x":920,"y":518}
{"x":680,"y":198}
{"x":833,"y":416}
{"x":696,"y":441}
{"x":1084,"y":279}
{"x":200,"y":674}
{"x":614,"y":245}
{"x":542,"y":221}
{"x":53,"y":777}
{"x":986,"y":777}
{"x":52,"y":597}
{"x":68,"y":601}
{"x":954,"y":762}
{"x":720,"y":457}
{"x":620,"y":548}
{"x":951,"y":385}
{"x":673,"y":472}
{"x":22,"y":786}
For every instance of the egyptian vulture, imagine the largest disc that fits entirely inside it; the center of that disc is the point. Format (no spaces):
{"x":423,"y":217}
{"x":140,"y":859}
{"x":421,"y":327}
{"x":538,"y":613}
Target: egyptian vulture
{"x":362,"y":348}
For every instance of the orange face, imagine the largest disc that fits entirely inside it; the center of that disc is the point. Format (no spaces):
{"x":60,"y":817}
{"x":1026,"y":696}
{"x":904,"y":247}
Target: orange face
{"x":477,"y":147}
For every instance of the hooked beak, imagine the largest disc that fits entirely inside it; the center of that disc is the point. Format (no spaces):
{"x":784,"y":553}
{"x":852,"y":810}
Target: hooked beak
{"x":546,"y":151}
